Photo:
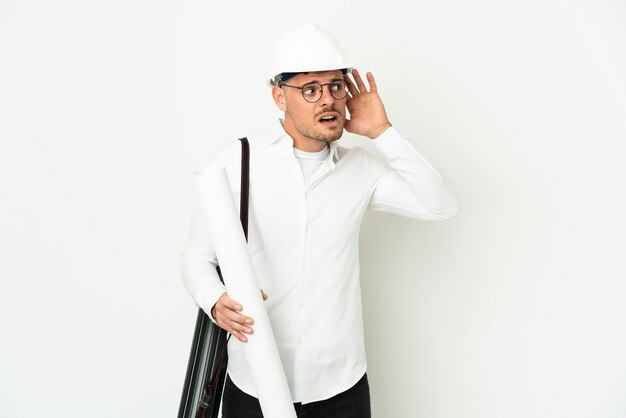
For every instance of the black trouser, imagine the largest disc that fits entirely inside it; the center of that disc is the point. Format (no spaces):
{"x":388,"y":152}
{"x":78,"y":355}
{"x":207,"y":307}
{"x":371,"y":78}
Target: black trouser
{"x":353,"y":403}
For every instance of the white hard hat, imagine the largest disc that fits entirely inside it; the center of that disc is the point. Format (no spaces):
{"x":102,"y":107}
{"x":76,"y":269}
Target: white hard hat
{"x":307,"y":47}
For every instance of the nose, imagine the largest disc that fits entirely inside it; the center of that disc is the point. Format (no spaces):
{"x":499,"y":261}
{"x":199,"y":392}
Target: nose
{"x":327,"y":98}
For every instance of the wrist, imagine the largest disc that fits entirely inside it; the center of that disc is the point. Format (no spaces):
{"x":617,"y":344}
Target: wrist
{"x":375,"y":133}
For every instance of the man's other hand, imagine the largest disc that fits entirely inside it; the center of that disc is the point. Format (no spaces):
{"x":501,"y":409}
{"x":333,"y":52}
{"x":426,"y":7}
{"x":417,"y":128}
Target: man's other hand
{"x":228,"y":316}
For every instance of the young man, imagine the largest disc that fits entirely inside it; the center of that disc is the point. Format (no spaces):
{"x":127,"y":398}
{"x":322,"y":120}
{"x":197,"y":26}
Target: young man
{"x":308,"y":196}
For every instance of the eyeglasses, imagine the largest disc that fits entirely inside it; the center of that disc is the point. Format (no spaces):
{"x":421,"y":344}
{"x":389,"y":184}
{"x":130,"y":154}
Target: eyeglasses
{"x":312,"y":92}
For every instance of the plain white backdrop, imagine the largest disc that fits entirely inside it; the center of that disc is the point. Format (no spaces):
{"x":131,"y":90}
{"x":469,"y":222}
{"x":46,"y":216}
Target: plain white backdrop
{"x":516,"y":308}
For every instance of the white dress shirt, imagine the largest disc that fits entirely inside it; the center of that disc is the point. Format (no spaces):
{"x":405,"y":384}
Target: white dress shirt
{"x":303,"y":241}
{"x":310,"y":162}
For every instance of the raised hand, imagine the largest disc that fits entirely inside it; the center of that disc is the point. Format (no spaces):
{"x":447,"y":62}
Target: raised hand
{"x":367,"y":112}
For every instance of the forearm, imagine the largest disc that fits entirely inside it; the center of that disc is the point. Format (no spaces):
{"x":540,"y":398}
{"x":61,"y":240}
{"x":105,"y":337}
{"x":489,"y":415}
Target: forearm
{"x":201,"y":281}
{"x":198,"y":265}
{"x":409,"y":185}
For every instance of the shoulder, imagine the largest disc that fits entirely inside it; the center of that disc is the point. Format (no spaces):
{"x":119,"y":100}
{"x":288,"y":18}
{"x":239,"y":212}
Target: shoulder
{"x":229,"y":154}
{"x":226,"y":156}
{"x":363,"y":160}
{"x":357,"y":152}
{"x":356,"y":155}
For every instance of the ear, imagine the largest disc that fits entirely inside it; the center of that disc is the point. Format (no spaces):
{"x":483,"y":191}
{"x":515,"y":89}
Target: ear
{"x":278,"y":95}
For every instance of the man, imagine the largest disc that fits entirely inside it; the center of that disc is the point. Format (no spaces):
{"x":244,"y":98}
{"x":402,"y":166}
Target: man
{"x":308,"y":196}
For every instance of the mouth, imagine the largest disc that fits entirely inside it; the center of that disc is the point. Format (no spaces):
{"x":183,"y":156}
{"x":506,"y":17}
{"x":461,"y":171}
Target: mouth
{"x":329,"y":119}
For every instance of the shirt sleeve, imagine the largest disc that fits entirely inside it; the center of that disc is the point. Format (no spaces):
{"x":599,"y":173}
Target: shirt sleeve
{"x":408,"y":185}
{"x":198,"y":264}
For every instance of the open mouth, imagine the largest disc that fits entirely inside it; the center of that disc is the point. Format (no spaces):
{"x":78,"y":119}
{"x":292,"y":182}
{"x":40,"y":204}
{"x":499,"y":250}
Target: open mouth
{"x":329,"y":119}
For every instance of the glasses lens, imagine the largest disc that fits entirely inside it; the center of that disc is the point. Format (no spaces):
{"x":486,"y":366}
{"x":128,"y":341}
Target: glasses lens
{"x":338,"y":89}
{"x":312,"y":92}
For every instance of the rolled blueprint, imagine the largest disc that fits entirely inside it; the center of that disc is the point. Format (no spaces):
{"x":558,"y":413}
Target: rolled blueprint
{"x":235,"y":263}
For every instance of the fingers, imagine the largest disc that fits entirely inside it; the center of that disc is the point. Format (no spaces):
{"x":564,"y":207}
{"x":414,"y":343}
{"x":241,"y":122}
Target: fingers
{"x":229,"y":318}
{"x":371,"y":82}
{"x":351,"y":87}
{"x":359,"y":81}
{"x":359,"y":87}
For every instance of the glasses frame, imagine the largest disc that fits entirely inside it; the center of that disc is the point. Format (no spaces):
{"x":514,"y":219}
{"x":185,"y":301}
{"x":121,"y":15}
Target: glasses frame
{"x":301,"y":88}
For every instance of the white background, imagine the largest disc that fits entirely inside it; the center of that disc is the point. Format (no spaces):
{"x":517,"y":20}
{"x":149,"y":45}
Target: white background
{"x":516,"y":308}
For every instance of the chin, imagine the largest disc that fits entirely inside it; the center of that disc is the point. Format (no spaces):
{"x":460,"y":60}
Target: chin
{"x":331,"y":137}
{"x":336,"y":137}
